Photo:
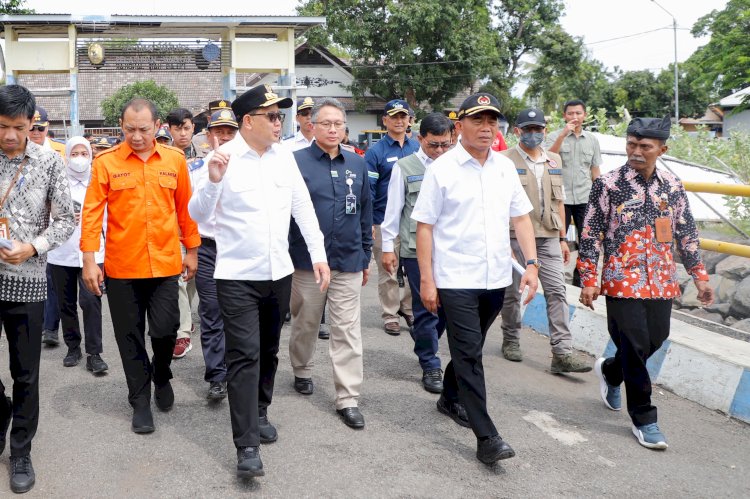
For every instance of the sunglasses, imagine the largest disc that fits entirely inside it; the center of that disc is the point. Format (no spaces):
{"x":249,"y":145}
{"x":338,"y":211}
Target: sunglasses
{"x":272,"y":117}
{"x":305,"y":112}
{"x":38,"y":128}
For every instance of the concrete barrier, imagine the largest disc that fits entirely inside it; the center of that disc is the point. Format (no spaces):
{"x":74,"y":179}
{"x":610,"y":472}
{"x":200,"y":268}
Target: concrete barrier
{"x":702,"y":366}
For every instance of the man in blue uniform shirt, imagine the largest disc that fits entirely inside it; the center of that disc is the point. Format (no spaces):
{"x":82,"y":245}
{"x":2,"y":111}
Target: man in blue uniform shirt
{"x":380,"y":159}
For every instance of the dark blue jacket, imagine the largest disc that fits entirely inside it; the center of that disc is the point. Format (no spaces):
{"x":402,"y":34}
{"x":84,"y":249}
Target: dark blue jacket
{"x":348,"y":238}
{"x":380,"y":159}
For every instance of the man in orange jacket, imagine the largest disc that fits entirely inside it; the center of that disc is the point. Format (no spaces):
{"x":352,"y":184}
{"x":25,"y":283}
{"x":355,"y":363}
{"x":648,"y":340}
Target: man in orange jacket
{"x":145,"y":188}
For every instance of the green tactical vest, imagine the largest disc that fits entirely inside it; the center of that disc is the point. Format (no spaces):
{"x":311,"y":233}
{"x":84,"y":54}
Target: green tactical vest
{"x":412,"y":172}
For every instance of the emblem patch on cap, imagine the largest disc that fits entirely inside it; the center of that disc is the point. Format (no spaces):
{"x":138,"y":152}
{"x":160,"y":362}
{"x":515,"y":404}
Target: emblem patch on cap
{"x":483,"y":100}
{"x":222,"y":104}
{"x":532,"y":114}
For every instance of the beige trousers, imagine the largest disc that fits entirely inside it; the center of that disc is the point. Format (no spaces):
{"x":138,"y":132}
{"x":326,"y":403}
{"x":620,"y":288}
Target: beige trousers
{"x":345,"y":344}
{"x":185,"y":296}
{"x":391,"y":298}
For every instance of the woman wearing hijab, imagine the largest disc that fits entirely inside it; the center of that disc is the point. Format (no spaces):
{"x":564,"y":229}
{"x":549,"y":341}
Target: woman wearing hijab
{"x":66,"y":264}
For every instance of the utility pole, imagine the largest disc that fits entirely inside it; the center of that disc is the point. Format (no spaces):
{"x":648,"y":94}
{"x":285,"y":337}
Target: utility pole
{"x":676,"y":71}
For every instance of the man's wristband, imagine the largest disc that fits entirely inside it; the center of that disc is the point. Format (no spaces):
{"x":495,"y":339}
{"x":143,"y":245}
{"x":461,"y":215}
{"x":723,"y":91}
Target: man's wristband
{"x":562,"y":239}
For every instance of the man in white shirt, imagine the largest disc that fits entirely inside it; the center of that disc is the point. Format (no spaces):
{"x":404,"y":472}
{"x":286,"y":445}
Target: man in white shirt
{"x":435,"y":132}
{"x":254,"y":188}
{"x":467,"y":199}
{"x":304,"y":136}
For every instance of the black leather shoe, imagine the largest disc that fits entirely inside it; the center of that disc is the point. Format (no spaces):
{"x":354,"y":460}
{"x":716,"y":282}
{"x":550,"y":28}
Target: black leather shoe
{"x":432,"y":380}
{"x":352,"y":417}
{"x":454,"y":410}
{"x":164,"y":396}
{"x":73,"y":357}
{"x":267,"y":431}
{"x":248,"y":462}
{"x":22,"y":476}
{"x":303,"y":385}
{"x":50,"y":338}
{"x":217,"y":390}
{"x":324,"y":332}
{"x":408,"y":318}
{"x":6,"y":414}
{"x":493,"y":449}
{"x":143,"y":420}
{"x":95,"y":364}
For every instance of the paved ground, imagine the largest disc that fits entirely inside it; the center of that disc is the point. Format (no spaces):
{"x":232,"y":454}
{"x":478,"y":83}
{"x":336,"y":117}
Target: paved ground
{"x":567,"y":443}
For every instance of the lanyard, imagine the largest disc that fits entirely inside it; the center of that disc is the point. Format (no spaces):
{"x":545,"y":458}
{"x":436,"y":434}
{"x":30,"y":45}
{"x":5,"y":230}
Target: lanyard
{"x":12,"y":183}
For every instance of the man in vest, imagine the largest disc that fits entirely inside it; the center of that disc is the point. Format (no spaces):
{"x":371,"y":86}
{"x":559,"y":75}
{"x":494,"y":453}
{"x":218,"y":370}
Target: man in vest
{"x":435,"y":133}
{"x":541,"y":177}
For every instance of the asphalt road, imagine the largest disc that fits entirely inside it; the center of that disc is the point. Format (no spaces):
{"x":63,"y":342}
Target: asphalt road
{"x":567,"y":443}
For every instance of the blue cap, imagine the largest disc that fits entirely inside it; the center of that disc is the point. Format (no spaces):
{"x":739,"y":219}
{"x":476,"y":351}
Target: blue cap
{"x":163,"y":133}
{"x":397,"y":106}
{"x":40,"y":117}
{"x":223,"y":117}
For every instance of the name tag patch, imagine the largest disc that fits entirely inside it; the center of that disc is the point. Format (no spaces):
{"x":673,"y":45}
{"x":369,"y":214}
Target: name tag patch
{"x":555,"y":171}
{"x":392,"y":159}
{"x":414,"y":178}
{"x":334,"y":174}
{"x":521,"y":171}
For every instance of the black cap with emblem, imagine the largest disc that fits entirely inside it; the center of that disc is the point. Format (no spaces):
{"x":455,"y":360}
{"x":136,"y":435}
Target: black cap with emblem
{"x":650,"y":128}
{"x":478,"y":103}
{"x":257,"y":97}
{"x":531,"y":116}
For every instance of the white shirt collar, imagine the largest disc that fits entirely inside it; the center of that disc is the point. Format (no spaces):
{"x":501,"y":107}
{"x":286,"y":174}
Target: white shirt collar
{"x":423,"y":157}
{"x":542,"y":159}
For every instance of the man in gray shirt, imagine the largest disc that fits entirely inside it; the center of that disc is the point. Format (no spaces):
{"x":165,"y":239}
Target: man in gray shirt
{"x":581,"y":159}
{"x":36,"y":215}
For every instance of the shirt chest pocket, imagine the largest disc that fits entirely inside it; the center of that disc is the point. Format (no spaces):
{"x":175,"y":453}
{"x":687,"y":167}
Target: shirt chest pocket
{"x":121,"y":183}
{"x":168,"y":181}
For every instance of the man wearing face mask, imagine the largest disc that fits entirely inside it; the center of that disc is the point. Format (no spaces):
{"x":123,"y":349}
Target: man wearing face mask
{"x":541,"y":177}
{"x":66,"y":262}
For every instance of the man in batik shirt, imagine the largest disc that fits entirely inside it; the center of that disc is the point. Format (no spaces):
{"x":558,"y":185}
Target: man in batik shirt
{"x":636,"y":213}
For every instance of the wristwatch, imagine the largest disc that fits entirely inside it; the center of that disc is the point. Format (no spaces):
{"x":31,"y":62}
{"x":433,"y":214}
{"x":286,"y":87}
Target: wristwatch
{"x":563,"y":239}
{"x":534,"y":262}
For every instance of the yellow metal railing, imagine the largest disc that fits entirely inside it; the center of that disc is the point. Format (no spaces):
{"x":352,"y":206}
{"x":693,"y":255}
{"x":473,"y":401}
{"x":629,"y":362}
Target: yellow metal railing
{"x":727,"y":190}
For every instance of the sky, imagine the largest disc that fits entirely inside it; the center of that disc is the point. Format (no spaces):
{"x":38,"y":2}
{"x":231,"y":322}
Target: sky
{"x":596,"y":21}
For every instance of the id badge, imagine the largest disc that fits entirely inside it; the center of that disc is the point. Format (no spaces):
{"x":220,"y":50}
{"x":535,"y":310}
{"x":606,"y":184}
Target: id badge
{"x":664,"y":229}
{"x":351,"y":204}
{"x":4,"y":228}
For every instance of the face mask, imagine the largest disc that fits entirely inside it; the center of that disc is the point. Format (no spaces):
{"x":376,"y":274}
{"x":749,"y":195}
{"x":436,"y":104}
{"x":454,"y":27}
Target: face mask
{"x":532,"y":139}
{"x":79,"y":164}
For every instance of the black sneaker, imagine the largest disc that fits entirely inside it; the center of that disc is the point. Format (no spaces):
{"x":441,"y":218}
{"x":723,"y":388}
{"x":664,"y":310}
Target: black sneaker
{"x":267,"y":431}
{"x":73,"y":357}
{"x":248,"y":462}
{"x":22,"y":475}
{"x":143,"y":420}
{"x":95,"y":364}
{"x":50,"y":338}
{"x":6,"y":415}
{"x":493,"y":449}
{"x":432,"y":380}
{"x":217,"y":390}
{"x":324,"y":332}
{"x":164,"y":396}
{"x":454,"y":410}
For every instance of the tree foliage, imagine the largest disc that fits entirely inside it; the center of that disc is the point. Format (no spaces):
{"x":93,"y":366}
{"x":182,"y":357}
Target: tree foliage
{"x":725,"y":59}
{"x":164,"y":99}
{"x":424,"y":51}
{"x":14,"y":7}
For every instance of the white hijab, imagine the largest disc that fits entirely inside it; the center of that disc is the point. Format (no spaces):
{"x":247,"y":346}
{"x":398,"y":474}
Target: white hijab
{"x":72,"y":142}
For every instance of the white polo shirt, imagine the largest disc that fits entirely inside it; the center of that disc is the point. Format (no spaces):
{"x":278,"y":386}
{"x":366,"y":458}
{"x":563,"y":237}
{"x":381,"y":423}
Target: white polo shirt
{"x":396,"y":201}
{"x":297,"y":142}
{"x":470,"y":206}
{"x":252,"y":206}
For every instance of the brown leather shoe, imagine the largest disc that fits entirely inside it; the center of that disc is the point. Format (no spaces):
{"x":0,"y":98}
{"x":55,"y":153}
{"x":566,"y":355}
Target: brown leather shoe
{"x":392,"y":328}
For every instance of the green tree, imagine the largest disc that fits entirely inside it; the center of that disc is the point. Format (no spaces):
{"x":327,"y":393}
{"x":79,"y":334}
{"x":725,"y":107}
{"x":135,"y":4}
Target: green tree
{"x":14,"y":7}
{"x":424,"y":51}
{"x":725,"y":59}
{"x":637,"y":91}
{"x":164,"y":99}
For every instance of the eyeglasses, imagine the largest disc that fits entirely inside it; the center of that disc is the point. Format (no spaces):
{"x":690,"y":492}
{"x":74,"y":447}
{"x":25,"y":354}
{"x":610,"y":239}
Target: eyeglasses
{"x":440,"y":145}
{"x":38,"y":128}
{"x":278,"y":116}
{"x":338,"y":125}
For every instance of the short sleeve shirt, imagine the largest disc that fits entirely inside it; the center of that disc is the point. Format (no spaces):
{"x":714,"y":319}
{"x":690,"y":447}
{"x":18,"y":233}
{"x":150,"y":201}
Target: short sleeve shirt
{"x":579,"y":155}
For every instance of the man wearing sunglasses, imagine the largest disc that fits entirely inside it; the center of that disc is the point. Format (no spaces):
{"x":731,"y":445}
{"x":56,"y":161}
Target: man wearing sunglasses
{"x":435,"y":133}
{"x":304,"y":136}
{"x":39,"y":131}
{"x":254,"y":189}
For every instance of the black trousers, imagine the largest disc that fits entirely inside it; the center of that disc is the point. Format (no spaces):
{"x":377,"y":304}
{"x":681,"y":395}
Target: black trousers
{"x":469,"y":313}
{"x":253,"y":313}
{"x":638,"y":328}
{"x":578,"y":212}
{"x":22,"y":323}
{"x":71,"y":291}
{"x":129,"y":302}
{"x":212,"y":325}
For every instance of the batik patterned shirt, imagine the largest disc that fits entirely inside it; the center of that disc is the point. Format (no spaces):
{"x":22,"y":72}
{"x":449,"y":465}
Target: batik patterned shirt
{"x":39,"y":210}
{"x":620,"y":220}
